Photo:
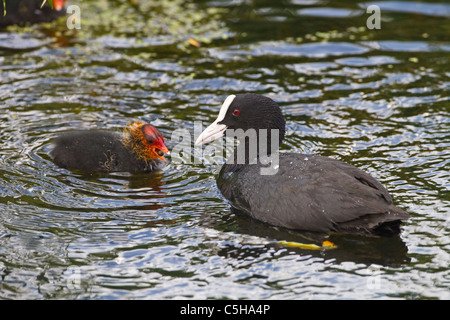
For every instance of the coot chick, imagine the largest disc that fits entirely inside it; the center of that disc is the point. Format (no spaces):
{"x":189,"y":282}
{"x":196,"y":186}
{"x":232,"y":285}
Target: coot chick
{"x":307,"y":192}
{"x":140,"y":148}
{"x":22,"y":11}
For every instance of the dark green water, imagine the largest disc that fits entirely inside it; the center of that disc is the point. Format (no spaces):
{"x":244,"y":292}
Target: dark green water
{"x":375,"y":98}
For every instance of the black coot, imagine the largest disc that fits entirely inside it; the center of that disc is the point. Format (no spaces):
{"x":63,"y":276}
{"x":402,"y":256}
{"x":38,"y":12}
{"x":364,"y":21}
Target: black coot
{"x":140,"y":148}
{"x":307,"y":192}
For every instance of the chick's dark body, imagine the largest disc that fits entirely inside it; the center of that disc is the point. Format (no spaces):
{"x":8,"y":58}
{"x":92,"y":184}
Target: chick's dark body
{"x":98,"y":151}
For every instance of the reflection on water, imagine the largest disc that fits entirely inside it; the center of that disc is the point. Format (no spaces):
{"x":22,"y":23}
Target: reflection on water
{"x":374,"y":98}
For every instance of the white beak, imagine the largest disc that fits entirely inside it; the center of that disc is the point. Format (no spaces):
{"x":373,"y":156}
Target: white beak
{"x":215,"y":130}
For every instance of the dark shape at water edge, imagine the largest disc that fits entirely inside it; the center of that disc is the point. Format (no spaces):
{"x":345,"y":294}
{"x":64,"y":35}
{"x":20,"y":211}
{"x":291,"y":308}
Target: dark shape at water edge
{"x":21,"y":12}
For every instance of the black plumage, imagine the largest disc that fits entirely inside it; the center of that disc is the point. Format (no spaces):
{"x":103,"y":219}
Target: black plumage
{"x":111,"y":151}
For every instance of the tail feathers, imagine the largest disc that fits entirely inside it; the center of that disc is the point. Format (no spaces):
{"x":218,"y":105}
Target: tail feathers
{"x":392,"y":222}
{"x":380,"y":224}
{"x":388,"y":229}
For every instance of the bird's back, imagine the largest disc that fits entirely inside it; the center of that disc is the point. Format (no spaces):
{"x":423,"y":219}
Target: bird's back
{"x":312,"y":193}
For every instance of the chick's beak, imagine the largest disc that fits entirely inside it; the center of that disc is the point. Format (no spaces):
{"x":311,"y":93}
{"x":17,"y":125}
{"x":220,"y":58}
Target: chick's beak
{"x":160,"y":149}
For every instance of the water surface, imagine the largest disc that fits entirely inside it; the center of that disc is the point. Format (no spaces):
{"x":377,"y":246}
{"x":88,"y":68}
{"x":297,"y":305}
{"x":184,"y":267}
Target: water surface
{"x":375,"y":98}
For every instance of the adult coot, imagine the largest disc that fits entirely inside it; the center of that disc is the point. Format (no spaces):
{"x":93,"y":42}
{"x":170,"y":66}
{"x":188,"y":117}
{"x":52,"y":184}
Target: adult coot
{"x":140,"y":148}
{"x":303,"y":191}
{"x":30,"y":11}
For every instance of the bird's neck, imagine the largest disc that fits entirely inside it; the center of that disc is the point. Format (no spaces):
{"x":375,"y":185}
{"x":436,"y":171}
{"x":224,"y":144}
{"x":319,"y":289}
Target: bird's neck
{"x":255,"y":147}
{"x":132,"y":139}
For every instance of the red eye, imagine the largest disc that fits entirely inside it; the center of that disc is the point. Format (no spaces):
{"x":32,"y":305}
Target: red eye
{"x":236,"y":112}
